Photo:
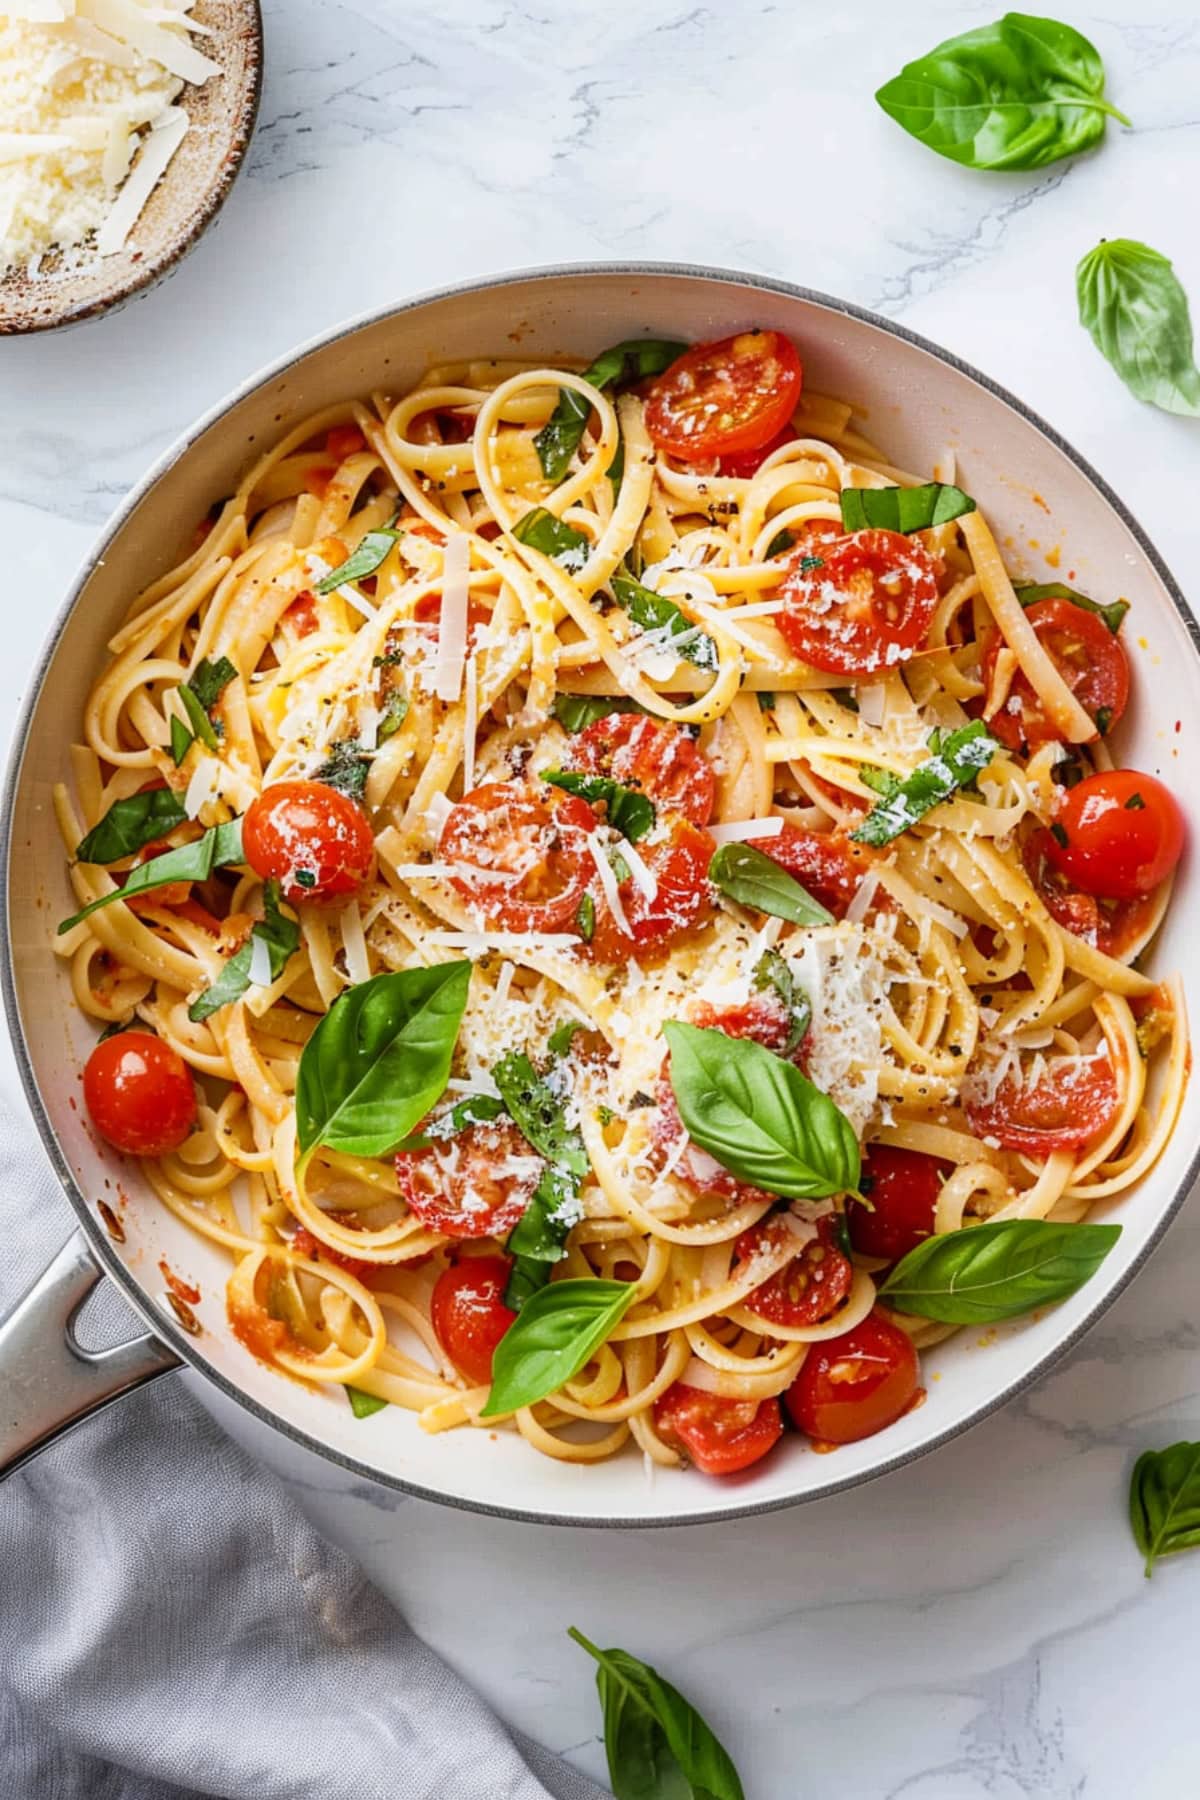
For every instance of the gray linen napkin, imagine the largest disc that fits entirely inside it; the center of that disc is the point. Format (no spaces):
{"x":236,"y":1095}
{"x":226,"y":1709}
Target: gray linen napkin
{"x":172,"y":1627}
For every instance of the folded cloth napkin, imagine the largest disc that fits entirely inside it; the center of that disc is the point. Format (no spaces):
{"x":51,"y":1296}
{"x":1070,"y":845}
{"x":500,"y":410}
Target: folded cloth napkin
{"x":171,"y":1626}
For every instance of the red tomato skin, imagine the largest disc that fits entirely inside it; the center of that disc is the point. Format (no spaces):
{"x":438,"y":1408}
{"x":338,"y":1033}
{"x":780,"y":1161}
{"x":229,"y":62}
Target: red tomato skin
{"x":545,"y":833}
{"x":1114,"y":926}
{"x":139,"y":1093}
{"x":466,"y":1198}
{"x":826,"y":863}
{"x":718,"y":1435}
{"x":726,"y":397}
{"x":1058,"y":1114}
{"x":904,"y":1190}
{"x":852,"y":1386}
{"x":301,"y":615}
{"x":812,"y":1286}
{"x":299,"y":828}
{"x":469,"y":1315}
{"x":865,"y":607}
{"x":344,"y":440}
{"x":661,"y":760}
{"x":1090,"y":658}
{"x":305,"y":1244}
{"x":1124,"y":834}
{"x":741,"y":467}
{"x":679,"y":864}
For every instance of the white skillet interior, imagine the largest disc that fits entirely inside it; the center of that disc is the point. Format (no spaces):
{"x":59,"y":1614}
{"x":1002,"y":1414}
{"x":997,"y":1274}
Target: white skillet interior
{"x":1038,"y":500}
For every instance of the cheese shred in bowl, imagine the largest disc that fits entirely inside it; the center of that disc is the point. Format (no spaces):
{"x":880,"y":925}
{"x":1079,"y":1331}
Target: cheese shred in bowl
{"x":391,"y":722}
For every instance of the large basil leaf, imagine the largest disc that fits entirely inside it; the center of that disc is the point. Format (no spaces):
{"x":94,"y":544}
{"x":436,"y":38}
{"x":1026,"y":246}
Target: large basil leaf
{"x":956,"y":762}
{"x":558,"y":440}
{"x":561,"y":543}
{"x":1164,"y":1501}
{"x":551,"y":1339}
{"x":1017,"y":94}
{"x":629,"y":810}
{"x":996,"y":1270}
{"x":759,"y":1116}
{"x":281,"y":935}
{"x":220,"y":846}
{"x":379,"y":1059}
{"x":657,"y":1744}
{"x":654,"y":612}
{"x":753,"y":879}
{"x":130,"y":825}
{"x":371,"y":553}
{"x":1030,"y":592}
{"x":1132,"y":303}
{"x":903,"y":509}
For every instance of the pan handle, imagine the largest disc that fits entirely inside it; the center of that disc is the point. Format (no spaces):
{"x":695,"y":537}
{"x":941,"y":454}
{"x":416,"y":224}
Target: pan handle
{"x":48,"y":1383}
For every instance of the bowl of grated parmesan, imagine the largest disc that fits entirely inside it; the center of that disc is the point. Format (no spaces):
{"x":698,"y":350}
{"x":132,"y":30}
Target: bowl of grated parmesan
{"x":123,"y":124}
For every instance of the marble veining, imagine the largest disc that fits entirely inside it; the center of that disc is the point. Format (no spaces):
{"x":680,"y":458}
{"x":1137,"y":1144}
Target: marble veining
{"x":975,"y":1627}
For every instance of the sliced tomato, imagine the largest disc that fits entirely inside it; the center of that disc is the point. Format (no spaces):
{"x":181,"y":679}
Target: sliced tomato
{"x":852,"y":1386}
{"x":865,"y":605}
{"x":811,"y":1287}
{"x":140,"y":1094}
{"x":746,"y":463}
{"x":1073,"y":1101}
{"x":719,"y":1435}
{"x":522,"y":857}
{"x":468,"y":1313}
{"x":662,"y":760}
{"x":725,"y":398}
{"x":1113,"y":926}
{"x":1088,"y":656}
{"x":826,"y":863}
{"x":312,"y":839}
{"x":677,"y":858}
{"x":902,"y":1187}
{"x":475,"y":1185}
{"x":1118,"y":834}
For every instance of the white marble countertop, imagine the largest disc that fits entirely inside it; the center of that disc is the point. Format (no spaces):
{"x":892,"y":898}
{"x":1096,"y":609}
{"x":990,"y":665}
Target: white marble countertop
{"x":978,"y":1624}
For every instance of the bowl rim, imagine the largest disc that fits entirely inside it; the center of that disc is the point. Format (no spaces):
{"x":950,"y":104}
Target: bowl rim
{"x":168,"y":1331}
{"x":146,"y":276}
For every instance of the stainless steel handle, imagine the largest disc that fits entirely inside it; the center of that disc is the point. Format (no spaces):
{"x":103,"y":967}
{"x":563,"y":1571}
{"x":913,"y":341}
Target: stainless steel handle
{"x":48,"y":1383}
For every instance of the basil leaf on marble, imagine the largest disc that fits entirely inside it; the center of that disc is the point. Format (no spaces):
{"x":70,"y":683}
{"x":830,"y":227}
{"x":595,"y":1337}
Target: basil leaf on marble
{"x":130,"y":825}
{"x":555,"y":1333}
{"x":558,"y":440}
{"x":903,"y":509}
{"x":1164,"y":1501}
{"x":220,"y":846}
{"x":754,"y":879}
{"x":1133,"y":305}
{"x":996,"y":1270}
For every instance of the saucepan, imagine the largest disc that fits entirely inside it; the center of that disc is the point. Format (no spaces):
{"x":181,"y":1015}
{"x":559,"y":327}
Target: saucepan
{"x":1045,"y":504}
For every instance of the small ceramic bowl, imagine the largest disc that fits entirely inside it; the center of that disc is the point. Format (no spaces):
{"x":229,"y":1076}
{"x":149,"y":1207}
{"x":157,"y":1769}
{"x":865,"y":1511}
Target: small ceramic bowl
{"x":182,"y":206}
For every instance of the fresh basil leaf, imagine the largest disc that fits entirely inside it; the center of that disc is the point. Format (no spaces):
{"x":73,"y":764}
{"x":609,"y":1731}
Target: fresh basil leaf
{"x":629,"y":810}
{"x":1017,"y":94}
{"x":753,"y":879}
{"x":564,"y":545}
{"x":653,"y":1738}
{"x":181,"y":740}
{"x":956,"y":765}
{"x":903,"y":509}
{"x":394,"y":714}
{"x":585,"y":918}
{"x":538,"y":1112}
{"x":281,"y":935}
{"x":1136,"y":311}
{"x":202,"y":726}
{"x":371,"y":554}
{"x":379,"y":1059}
{"x":558,"y":440}
{"x":783,"y":540}
{"x":616,"y":468}
{"x":1164,"y":1501}
{"x":559,"y":1041}
{"x":538,"y":1239}
{"x":575,"y":712}
{"x":996,"y":1270}
{"x":551,"y":1339}
{"x":363,"y":1405}
{"x":773,"y":972}
{"x":220,"y":846}
{"x":472,"y":1109}
{"x":1030,"y":592}
{"x":200,"y":694}
{"x":880,"y":781}
{"x":654,"y":612}
{"x":130,"y":825}
{"x":759,"y":1116}
{"x":346,"y":768}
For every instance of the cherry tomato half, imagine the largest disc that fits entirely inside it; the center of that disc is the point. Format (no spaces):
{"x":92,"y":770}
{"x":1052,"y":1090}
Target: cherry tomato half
{"x":310,"y":838}
{"x":903,"y":1187}
{"x":661,"y":759}
{"x":523,"y":857}
{"x":1071,"y":1103}
{"x":1118,"y":834}
{"x":678,"y":862}
{"x":724,"y":398}
{"x":741,"y":466}
{"x":1088,"y":656}
{"x":864,"y":606}
{"x":826,"y":863}
{"x":1113,"y":926}
{"x":469,"y":1315}
{"x":852,"y":1386}
{"x":139,"y":1093}
{"x":719,"y":1435}
{"x":808,"y":1289}
{"x":475,"y":1185}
